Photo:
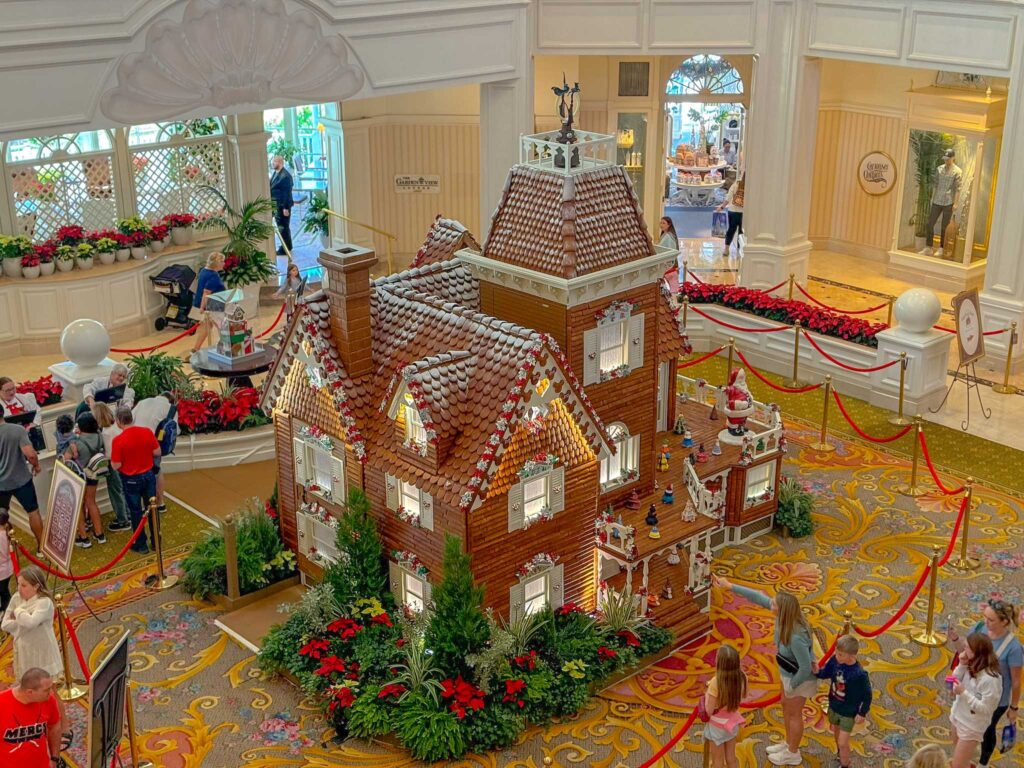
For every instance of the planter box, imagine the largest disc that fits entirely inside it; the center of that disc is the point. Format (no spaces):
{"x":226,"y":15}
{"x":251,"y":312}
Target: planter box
{"x":221,"y":449}
{"x":228,"y":604}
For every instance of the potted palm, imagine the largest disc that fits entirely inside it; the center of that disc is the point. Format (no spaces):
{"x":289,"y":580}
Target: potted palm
{"x":45,"y":252}
{"x":315,"y":221}
{"x":30,"y":265}
{"x":14,"y":249}
{"x":64,"y":257}
{"x":84,"y":255}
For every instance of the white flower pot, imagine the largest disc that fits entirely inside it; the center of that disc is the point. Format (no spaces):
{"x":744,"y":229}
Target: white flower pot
{"x":181,"y":235}
{"x":156,"y":246}
{"x":84,"y":263}
{"x":46,"y":268}
{"x":167,"y":240}
{"x":12,"y":267}
{"x":106,"y":257}
{"x":138,"y":252}
{"x":30,"y":273}
{"x":122,"y":254}
{"x":64,"y":265}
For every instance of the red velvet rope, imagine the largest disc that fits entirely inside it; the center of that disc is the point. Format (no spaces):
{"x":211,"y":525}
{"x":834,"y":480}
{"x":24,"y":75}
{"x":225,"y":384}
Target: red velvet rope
{"x":736,"y":327}
{"x":91,"y":574}
{"x":683,"y":730}
{"x":277,"y":320}
{"x":773,"y":385}
{"x":931,"y":468}
{"x":14,"y":558}
{"x":775,"y":287}
{"x":986,"y":333}
{"x":841,"y":364}
{"x":840,"y":311}
{"x":78,"y":649}
{"x":162,"y":344}
{"x":947,"y":330}
{"x":902,"y":609}
{"x":956,"y":531}
{"x":690,"y":272}
{"x":859,"y":431}
{"x":699,"y":359}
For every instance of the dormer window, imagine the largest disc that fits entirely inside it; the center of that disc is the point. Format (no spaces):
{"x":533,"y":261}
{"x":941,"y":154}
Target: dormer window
{"x":415,"y":434}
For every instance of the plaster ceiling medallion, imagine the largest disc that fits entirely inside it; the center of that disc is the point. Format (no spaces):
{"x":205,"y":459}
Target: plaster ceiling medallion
{"x":225,"y":53}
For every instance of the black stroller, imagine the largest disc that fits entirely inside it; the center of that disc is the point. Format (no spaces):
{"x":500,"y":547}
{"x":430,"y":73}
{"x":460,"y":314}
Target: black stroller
{"x":175,"y":285}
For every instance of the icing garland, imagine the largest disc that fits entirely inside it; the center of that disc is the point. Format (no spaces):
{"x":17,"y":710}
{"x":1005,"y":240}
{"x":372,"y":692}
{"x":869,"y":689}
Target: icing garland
{"x":409,"y":561}
{"x":616,"y":311}
{"x":542,"y":561}
{"x":318,"y":436}
{"x":539,"y":464}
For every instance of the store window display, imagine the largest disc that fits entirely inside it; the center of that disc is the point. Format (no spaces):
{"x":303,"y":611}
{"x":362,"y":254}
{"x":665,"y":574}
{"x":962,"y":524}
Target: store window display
{"x":945,"y":192}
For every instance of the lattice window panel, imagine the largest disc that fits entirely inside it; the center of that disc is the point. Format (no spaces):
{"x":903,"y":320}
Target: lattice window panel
{"x":168,"y":179}
{"x":49,"y":195}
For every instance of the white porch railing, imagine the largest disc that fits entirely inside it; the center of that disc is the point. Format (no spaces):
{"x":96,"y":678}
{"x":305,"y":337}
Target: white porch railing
{"x":765,"y":424}
{"x":708,"y":503}
{"x":592,"y":149}
{"x":614,"y":537}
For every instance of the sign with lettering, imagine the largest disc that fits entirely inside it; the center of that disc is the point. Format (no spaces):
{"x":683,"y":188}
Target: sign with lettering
{"x":406,"y":183}
{"x":876,"y":173}
{"x":65,"y":504}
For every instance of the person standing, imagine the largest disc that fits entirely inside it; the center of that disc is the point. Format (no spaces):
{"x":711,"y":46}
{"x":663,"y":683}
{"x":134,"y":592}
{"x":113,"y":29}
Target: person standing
{"x":728,"y":153}
{"x":108,"y":431}
{"x":29,"y":620}
{"x":132,"y":456}
{"x":733,"y":203}
{"x":207,"y":283}
{"x":19,"y":462}
{"x":118,"y":376}
{"x":281,"y":194}
{"x":977,"y":686}
{"x":669,"y":238}
{"x":944,"y":197}
{"x":6,"y":561}
{"x":82,"y":450}
{"x":14,"y":403}
{"x":154,"y":413}
{"x":30,"y":718}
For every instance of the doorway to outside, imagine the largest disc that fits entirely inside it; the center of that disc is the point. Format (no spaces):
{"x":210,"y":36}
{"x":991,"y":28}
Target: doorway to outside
{"x":704,"y":135}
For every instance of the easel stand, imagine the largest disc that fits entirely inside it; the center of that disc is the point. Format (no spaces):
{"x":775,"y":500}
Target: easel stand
{"x":971,"y":380}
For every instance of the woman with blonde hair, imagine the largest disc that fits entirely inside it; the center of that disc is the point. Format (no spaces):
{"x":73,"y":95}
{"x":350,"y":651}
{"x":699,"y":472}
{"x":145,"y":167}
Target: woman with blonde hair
{"x":29,"y":620}
{"x":108,"y":431}
{"x":208,"y":282}
{"x":793,"y":655}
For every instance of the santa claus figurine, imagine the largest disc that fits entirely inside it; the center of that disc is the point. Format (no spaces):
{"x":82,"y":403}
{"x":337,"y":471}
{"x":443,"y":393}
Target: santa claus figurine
{"x":738,"y":403}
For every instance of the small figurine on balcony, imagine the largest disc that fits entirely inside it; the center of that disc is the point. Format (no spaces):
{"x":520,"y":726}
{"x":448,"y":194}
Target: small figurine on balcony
{"x":702,"y":569}
{"x":652,"y":515}
{"x":655,"y":533}
{"x":662,"y":462}
{"x":653,"y":601}
{"x":673,"y":557}
{"x":687,"y":439}
{"x":633,"y":502}
{"x":716,"y":449}
{"x":746,"y":457}
{"x":615,"y":531}
{"x":689,"y":512}
{"x":666,"y":591}
{"x":737,"y":404}
{"x":679,"y":427}
{"x":665,"y":449}
{"x":669,"y":495}
{"x":702,"y":457}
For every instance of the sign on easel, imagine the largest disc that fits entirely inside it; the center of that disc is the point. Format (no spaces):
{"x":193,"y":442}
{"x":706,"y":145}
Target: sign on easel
{"x":969,"y":336}
{"x":107,"y":705}
{"x":67,"y":491}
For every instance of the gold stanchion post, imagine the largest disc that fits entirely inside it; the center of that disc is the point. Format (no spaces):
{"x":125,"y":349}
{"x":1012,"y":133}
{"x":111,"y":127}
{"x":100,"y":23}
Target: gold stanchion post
{"x":706,"y":759}
{"x":795,"y":381}
{"x":899,"y":419}
{"x":912,"y":488}
{"x":1006,"y":388}
{"x":847,"y":623}
{"x":686,"y":307}
{"x":70,"y":688}
{"x":728,"y":368}
{"x":965,"y":563}
{"x":161,"y":580}
{"x":792,"y":280}
{"x":133,"y":741}
{"x":823,"y":445}
{"x":686,"y":271}
{"x":888,"y":316}
{"x":930,"y":637}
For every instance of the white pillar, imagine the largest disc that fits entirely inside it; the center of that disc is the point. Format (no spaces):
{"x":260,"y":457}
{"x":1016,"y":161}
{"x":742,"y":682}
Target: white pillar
{"x":334,"y":149}
{"x":249,"y":151}
{"x":779,"y":152}
{"x":1002,"y":298}
{"x":506,"y":113}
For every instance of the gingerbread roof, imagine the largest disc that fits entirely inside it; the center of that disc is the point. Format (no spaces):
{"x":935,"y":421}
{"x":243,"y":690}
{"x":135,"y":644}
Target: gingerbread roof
{"x":445,"y":237}
{"x":470,"y":374}
{"x":568,"y":225}
{"x":671,"y":342}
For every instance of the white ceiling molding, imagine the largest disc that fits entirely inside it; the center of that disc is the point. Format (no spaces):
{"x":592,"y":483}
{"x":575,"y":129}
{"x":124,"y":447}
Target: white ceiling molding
{"x":228,"y":53}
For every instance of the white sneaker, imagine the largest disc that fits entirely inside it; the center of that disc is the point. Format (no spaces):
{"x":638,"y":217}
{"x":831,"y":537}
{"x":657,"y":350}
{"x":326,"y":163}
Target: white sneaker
{"x":925,"y":252}
{"x":776,"y":748}
{"x":938,"y":253}
{"x":785,"y":757}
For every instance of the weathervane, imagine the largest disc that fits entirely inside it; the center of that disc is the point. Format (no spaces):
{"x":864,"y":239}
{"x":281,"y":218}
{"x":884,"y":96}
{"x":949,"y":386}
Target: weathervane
{"x":566,"y":112}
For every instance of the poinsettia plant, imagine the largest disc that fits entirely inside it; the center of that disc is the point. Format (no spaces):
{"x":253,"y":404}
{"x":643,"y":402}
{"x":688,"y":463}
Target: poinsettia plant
{"x":210,"y":411}
{"x":46,"y":390}
{"x":72,"y":234}
{"x":179,"y":220}
{"x":782,"y":310}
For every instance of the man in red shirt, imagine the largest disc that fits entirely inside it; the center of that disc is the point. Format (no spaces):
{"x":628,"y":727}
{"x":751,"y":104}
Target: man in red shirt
{"x":30,"y":723}
{"x":132,"y":454}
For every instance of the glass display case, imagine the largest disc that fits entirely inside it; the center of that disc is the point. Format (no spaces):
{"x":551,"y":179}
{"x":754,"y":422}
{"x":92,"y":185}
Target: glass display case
{"x":631,"y":146}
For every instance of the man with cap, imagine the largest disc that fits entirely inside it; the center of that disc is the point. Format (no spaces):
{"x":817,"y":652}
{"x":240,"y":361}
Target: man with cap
{"x":944,"y":196}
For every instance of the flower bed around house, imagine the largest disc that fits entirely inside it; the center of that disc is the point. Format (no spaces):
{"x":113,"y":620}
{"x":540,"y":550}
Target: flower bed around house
{"x":787,"y":311}
{"x":451,"y":679}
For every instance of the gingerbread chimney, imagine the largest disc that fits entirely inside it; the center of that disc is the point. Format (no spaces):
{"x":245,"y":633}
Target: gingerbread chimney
{"x":347,"y":283}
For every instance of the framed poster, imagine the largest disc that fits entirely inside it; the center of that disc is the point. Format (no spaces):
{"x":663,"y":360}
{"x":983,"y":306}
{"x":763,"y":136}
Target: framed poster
{"x":876,"y":173}
{"x":969,"y":337}
{"x":406,"y":183}
{"x":107,"y":702}
{"x":67,"y":492}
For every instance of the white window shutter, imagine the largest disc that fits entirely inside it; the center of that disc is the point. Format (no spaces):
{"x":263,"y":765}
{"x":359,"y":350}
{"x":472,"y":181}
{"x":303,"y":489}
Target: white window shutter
{"x":635,"y":342}
{"x":516,"y":513}
{"x":395,"y":576}
{"x":428,"y":593}
{"x":338,"y":490}
{"x":557,"y":577}
{"x":426,"y":511}
{"x":392,"y":492}
{"x":591,"y":356}
{"x":556,"y":490}
{"x":634,"y":452}
{"x":301,"y":461}
{"x":516,"y":601}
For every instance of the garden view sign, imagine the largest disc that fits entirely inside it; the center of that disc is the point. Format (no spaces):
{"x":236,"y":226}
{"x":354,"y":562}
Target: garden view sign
{"x":876,"y":173}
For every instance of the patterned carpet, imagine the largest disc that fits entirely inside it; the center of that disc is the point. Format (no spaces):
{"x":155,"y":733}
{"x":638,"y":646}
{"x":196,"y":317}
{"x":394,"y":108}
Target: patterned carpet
{"x":201,"y":702}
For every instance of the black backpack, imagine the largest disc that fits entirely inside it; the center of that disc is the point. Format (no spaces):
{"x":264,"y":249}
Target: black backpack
{"x":167,"y":431}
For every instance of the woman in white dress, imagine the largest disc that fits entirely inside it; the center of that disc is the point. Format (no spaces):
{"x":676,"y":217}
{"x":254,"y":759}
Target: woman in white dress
{"x":29,"y":620}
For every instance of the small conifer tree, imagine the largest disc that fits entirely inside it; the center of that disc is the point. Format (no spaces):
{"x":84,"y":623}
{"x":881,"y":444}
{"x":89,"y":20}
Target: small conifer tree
{"x":458,"y":626}
{"x":359,"y":573}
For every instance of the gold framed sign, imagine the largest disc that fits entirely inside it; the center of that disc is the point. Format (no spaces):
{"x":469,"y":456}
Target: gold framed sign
{"x":67,"y":492}
{"x":969,"y":336}
{"x":876,"y":173}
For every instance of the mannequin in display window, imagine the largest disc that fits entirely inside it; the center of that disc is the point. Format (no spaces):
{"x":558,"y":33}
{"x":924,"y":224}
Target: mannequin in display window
{"x":944,"y":196}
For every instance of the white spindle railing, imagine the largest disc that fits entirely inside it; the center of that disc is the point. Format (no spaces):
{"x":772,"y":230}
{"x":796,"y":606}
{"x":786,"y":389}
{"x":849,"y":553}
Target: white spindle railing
{"x":708,"y":503}
{"x":592,"y":149}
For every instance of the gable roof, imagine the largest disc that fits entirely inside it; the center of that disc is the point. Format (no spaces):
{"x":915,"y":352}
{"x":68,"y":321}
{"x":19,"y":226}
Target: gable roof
{"x":445,"y":237}
{"x":568,"y":225}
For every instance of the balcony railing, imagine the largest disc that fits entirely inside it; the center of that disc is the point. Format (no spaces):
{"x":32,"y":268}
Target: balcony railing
{"x":591,"y":150}
{"x":708,"y":503}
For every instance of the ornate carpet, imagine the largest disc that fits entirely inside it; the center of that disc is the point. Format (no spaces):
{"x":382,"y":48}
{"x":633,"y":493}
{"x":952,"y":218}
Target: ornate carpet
{"x":201,"y":702}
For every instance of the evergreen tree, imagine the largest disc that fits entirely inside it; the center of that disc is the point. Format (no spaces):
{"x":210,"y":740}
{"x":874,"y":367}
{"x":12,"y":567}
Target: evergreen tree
{"x":458,"y":625}
{"x":359,"y":572}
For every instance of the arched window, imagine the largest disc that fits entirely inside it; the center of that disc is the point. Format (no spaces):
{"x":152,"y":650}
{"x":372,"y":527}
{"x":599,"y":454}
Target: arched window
{"x":624,"y":466}
{"x":58,"y":180}
{"x":172,"y":162}
{"x":704,"y":75}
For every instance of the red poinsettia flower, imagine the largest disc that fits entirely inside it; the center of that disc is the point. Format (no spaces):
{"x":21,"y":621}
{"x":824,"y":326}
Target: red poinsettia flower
{"x":631,"y":639}
{"x":331,"y":665}
{"x":382,"y":618}
{"x":346,"y":629}
{"x":526,"y":661}
{"x":604,"y":652}
{"x":513,"y":688}
{"x":391,"y":690}
{"x":343,"y":698}
{"x":314,"y":649}
{"x":399,"y":642}
{"x":568,"y":608}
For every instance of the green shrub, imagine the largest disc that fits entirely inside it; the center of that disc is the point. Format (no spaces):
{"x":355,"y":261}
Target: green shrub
{"x":370,"y":717}
{"x":308,"y":618}
{"x":494,"y":727}
{"x":796,"y":504}
{"x":539,"y":705}
{"x":652,"y":639}
{"x":458,"y":625}
{"x":429,"y":733}
{"x":568,"y":694}
{"x":151,"y":374}
{"x":359,"y":572}
{"x":375,"y":650}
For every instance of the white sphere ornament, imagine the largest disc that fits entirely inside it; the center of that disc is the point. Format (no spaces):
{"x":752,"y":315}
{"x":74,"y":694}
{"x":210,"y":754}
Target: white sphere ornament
{"x":85,"y":342}
{"x":917,"y":310}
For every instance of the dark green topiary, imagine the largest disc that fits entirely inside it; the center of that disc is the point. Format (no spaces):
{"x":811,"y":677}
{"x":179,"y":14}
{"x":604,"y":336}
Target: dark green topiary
{"x":458,"y":626}
{"x":360,"y":573}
